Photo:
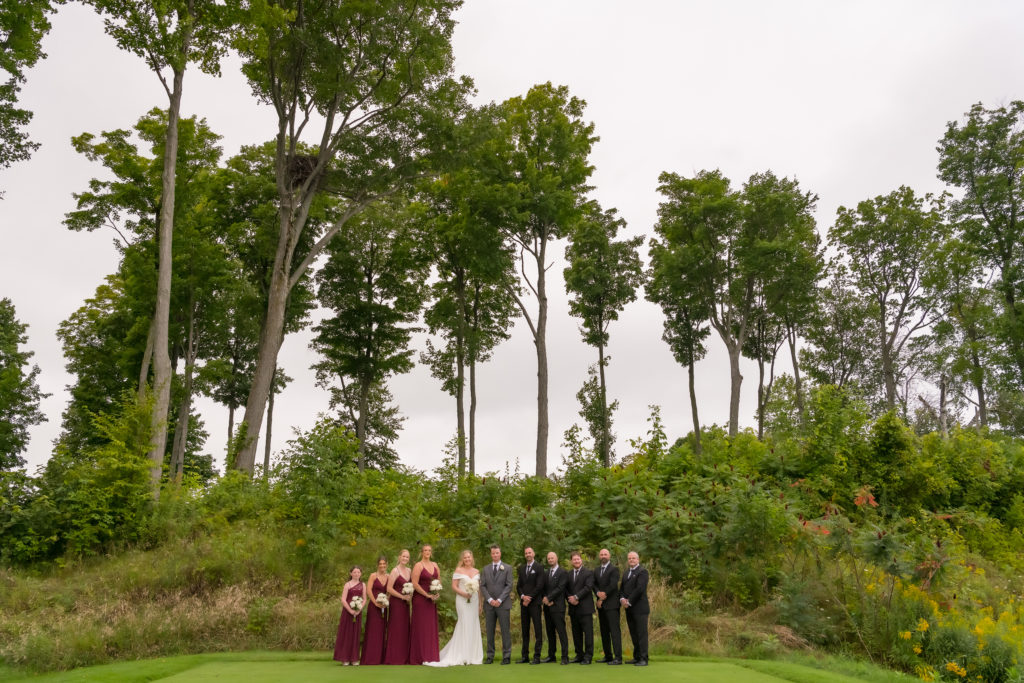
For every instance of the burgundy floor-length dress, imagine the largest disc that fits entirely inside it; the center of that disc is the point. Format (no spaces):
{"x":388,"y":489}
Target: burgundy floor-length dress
{"x":376,"y":631}
{"x":397,"y":649}
{"x":346,"y":647}
{"x":423,"y":646}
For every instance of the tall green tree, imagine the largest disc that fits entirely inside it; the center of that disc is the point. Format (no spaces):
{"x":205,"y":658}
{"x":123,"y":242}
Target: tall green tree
{"x":963,"y":343}
{"x":376,"y":79}
{"x":984,"y":158}
{"x":886,"y":243}
{"x":374,"y":282}
{"x":736,"y":250}
{"x":840,"y":337}
{"x":543,"y":157}
{"x":243,"y":209}
{"x":168,"y":35}
{"x":23,"y":23}
{"x":130,"y":204}
{"x":785,"y":256}
{"x":471,"y":308}
{"x":19,"y":389}
{"x":602,"y":277}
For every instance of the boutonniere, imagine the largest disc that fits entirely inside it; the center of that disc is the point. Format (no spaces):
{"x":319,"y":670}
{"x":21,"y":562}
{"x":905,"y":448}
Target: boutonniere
{"x":501,"y":567}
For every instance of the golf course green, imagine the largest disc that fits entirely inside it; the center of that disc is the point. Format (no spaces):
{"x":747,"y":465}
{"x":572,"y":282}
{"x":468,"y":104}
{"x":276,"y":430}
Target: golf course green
{"x":313,"y":667}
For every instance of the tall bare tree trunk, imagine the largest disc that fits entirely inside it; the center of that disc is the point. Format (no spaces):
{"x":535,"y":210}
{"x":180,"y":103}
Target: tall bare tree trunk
{"x":161,"y":355}
{"x":185,"y":408}
{"x":760,"y":399}
{"x":364,"y":409}
{"x":271,"y":337}
{"x":270,"y":432}
{"x":540,"y":340}
{"x":735,"y":382}
{"x":231,"y":423}
{"x":460,"y":376}
{"x":472,"y":416}
{"x":604,"y":445}
{"x":693,"y":407}
{"x":798,"y":385}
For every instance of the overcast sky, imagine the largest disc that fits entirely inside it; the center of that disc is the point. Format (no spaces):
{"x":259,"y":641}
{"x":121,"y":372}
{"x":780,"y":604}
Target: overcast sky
{"x":848,"y":97}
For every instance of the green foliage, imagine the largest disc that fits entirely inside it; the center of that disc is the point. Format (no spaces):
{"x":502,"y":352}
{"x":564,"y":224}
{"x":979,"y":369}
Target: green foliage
{"x":23,"y":23}
{"x":87,"y":503}
{"x":19,"y":389}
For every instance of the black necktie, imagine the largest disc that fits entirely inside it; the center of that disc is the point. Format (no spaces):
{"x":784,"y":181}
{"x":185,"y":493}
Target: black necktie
{"x":630,"y":575}
{"x":602,"y":569}
{"x":575,"y":573}
{"x":552,"y":572}
{"x":528,"y":567}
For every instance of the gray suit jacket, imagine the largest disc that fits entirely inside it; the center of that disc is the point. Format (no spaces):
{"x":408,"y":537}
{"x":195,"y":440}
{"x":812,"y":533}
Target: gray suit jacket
{"x":496,"y":585}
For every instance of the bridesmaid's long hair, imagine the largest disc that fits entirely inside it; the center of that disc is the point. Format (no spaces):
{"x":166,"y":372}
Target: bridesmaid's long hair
{"x":403,"y":550}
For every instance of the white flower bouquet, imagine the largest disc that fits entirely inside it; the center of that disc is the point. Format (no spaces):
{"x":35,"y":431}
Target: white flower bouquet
{"x":472,"y":587}
{"x":435,"y":586}
{"x":382,"y":600}
{"x":407,"y":588}
{"x":356,"y":603}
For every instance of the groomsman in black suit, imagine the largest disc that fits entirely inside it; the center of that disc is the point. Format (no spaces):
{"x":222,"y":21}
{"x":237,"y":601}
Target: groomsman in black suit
{"x":581,"y":610}
{"x":606,"y":589}
{"x":633,"y":596}
{"x":530,"y":588}
{"x":554,"y":609}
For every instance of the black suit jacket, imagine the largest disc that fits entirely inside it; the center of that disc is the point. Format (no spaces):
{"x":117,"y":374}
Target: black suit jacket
{"x":583,"y":588}
{"x":609,"y":584}
{"x":531,"y":584}
{"x":554,"y":588}
{"x":634,"y":589}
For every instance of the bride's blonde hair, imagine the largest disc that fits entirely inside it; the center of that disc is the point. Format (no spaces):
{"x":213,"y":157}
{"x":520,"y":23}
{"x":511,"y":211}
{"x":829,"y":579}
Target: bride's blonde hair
{"x":462,"y":556}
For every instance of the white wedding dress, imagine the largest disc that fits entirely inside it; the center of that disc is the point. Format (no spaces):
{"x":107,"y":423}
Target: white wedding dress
{"x":466,"y":645}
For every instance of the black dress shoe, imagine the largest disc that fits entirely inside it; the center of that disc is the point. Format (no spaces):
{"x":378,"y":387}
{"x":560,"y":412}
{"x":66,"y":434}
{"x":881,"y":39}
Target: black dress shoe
{"x":547,"y":660}
{"x":576,"y":660}
{"x":507,"y":660}
{"x":605,"y":660}
{"x":565,"y":660}
{"x":489,"y":660}
{"x":633,"y":661}
{"x":586,"y":661}
{"x":537,"y":660}
{"x":642,"y":662}
{"x":523,"y":660}
{"x":615,"y":662}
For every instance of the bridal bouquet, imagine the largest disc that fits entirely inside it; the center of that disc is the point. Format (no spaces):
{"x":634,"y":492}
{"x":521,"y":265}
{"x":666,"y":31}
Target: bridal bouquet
{"x":407,"y":588}
{"x":435,"y":586}
{"x":356,"y":603}
{"x":472,"y":586}
{"x":382,"y":600}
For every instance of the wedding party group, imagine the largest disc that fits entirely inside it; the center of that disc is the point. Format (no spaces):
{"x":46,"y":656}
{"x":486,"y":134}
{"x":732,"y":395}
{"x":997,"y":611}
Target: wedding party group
{"x":401,"y":610}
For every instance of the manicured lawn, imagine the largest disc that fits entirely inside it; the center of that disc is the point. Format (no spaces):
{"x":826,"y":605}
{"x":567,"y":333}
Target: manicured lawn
{"x":270,"y":667}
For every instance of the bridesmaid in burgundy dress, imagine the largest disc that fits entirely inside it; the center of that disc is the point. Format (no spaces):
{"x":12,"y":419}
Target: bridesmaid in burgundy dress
{"x":373,"y":638}
{"x":397,"y":649}
{"x":346,"y":647}
{"x":423,"y":634}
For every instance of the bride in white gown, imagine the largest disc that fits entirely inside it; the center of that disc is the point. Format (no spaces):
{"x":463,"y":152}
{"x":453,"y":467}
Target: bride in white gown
{"x":466,"y":645}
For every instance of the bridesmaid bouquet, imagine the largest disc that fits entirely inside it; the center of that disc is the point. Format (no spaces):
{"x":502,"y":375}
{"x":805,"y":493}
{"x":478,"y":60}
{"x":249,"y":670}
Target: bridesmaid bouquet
{"x":472,"y":587}
{"x":382,"y":600}
{"x":407,"y":588}
{"x":435,"y":586}
{"x":356,"y":603}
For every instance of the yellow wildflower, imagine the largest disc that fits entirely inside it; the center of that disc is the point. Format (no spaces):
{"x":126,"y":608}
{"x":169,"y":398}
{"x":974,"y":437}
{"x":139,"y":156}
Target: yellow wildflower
{"x":922,"y":625}
{"x":956,"y":668}
{"x":925,"y":672}
{"x":917,"y":649}
{"x":905,"y":635}
{"x":300,"y":542}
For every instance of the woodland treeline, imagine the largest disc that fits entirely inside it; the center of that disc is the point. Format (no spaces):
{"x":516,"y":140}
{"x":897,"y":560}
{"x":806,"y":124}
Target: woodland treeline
{"x":387,"y":198}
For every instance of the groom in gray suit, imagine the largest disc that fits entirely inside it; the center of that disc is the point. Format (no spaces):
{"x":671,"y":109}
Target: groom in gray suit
{"x":496,"y":590}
